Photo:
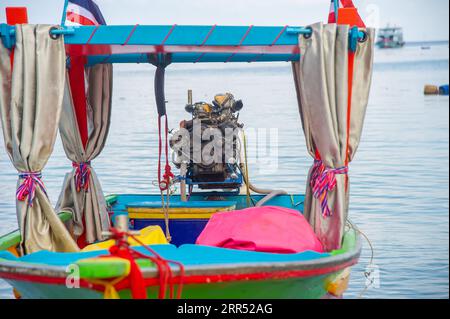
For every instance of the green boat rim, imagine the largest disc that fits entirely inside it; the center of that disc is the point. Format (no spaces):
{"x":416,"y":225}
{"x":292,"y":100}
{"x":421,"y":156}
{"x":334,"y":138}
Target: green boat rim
{"x":324,"y":265}
{"x":336,"y":262}
{"x":13,"y":238}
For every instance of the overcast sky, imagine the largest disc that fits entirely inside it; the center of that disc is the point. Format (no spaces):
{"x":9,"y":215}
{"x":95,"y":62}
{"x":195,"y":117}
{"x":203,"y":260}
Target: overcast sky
{"x":421,"y":19}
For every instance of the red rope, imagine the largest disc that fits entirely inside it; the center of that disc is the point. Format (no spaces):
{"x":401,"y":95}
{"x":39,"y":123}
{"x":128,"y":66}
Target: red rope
{"x":351,"y":63}
{"x":164,"y":264}
{"x":135,"y":278}
{"x":164,"y":181}
{"x":82,"y":175}
{"x":167,"y":141}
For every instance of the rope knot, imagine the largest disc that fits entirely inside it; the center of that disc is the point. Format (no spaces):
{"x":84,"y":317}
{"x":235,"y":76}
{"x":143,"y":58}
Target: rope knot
{"x":136,"y":281}
{"x":82,"y":175}
{"x":28,"y":186}
{"x":323,"y":180}
{"x":166,"y":181}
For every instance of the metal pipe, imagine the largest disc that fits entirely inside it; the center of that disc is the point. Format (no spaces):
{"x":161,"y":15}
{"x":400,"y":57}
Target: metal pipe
{"x":190,"y":97}
{"x":64,"y":31}
{"x":308,"y":31}
{"x":55,"y":31}
{"x":289,"y":30}
{"x":269,"y":192}
{"x":122,"y":223}
{"x":257,"y":189}
{"x":183,"y":171}
{"x":298,"y":30}
{"x":183,"y":167}
{"x":64,"y":13}
{"x":270,"y":196}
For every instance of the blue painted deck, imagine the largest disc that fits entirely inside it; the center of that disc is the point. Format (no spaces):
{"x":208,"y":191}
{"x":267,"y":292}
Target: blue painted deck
{"x":120,"y":202}
{"x":186,"y":231}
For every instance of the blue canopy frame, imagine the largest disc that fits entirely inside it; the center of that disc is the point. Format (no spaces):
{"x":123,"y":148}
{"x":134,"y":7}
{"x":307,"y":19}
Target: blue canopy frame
{"x":162,"y":45}
{"x":184,"y":43}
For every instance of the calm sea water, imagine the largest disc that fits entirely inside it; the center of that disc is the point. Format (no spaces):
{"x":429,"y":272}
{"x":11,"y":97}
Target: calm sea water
{"x":400,"y":177}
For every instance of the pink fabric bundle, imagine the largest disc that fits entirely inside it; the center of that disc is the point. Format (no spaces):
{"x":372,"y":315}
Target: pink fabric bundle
{"x":263,"y":229}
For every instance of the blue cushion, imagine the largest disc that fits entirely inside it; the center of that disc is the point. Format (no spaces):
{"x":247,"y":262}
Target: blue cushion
{"x":197,"y":255}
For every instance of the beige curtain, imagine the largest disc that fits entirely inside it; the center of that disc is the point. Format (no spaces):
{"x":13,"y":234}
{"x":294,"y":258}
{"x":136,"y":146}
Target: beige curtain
{"x":321,"y":79}
{"x":30,"y":108}
{"x":87,"y":201}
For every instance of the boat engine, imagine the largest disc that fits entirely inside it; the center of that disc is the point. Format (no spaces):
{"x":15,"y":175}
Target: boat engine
{"x":207,"y":147}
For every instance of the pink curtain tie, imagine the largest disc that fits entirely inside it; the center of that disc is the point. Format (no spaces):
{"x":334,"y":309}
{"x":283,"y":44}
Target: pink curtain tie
{"x":323,"y":180}
{"x":28,"y":186}
{"x":82,"y":174}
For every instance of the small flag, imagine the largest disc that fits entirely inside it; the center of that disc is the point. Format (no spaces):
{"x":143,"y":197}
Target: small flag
{"x":83,"y":12}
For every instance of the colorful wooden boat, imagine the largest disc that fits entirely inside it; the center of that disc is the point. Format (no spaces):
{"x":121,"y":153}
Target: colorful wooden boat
{"x":390,"y":38}
{"x":209,"y":272}
{"x":192,"y":270}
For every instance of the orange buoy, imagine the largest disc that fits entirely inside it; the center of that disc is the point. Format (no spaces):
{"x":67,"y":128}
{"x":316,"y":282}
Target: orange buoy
{"x":431,"y":90}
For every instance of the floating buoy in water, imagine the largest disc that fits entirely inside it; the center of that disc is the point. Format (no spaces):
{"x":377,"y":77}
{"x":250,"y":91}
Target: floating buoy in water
{"x":435,"y":90}
{"x":443,"y":90}
{"x":431,"y":90}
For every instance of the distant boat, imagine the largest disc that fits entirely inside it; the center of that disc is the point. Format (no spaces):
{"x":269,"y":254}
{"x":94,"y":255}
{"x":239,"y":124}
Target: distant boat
{"x":390,"y":38}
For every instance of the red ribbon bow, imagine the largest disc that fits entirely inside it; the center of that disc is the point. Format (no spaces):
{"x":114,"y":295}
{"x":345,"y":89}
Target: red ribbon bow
{"x":135,"y":278}
{"x":28,"y":186}
{"x":82,"y":175}
{"x":323,"y":180}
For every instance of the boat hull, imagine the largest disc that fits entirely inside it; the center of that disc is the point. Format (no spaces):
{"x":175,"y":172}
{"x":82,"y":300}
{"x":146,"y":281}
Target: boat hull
{"x":390,"y":45}
{"x":315,"y":287}
{"x":307,"y":278}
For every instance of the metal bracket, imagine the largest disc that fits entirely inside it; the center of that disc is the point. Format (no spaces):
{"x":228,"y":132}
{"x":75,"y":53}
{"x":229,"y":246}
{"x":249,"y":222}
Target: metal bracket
{"x":355,"y":34}
{"x":6,"y":36}
{"x":309,"y":34}
{"x":8,"y":33}
{"x":353,"y":39}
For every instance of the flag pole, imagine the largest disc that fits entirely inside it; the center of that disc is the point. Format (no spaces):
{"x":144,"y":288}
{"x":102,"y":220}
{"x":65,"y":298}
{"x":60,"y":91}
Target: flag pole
{"x":336,"y":9}
{"x":63,"y":18}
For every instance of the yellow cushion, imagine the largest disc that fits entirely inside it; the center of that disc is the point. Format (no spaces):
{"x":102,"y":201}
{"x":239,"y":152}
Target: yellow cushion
{"x":152,"y":235}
